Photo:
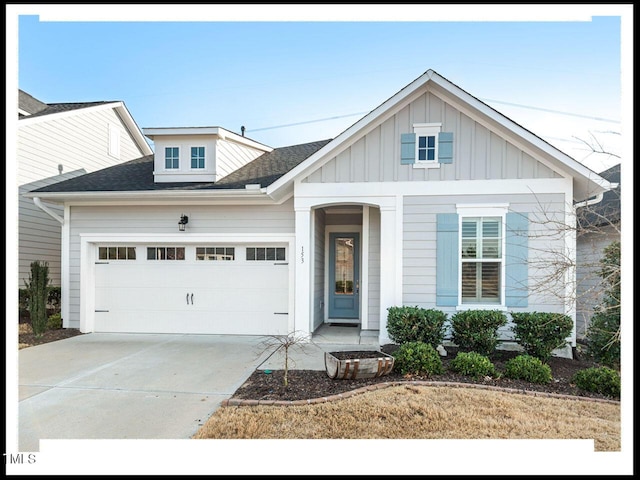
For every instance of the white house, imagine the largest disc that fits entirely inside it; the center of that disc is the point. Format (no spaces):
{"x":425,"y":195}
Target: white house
{"x":432,"y":199}
{"x":59,"y":141}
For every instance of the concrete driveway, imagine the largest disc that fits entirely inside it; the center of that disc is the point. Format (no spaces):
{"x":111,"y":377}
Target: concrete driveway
{"x":129,"y":386}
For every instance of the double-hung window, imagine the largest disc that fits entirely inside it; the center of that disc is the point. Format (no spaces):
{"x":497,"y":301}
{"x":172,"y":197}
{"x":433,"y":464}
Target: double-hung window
{"x":172,"y":158}
{"x":481,"y":260}
{"x":426,"y":143}
{"x":197,"y":157}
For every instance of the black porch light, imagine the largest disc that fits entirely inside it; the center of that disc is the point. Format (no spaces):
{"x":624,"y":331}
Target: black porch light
{"x":183,"y":222}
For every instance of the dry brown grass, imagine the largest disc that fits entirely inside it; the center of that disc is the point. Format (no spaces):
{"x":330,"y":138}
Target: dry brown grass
{"x":418,"y":412}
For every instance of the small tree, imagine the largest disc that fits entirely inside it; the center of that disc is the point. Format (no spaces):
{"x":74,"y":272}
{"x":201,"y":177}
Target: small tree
{"x":286,"y":343}
{"x":38,"y":288}
{"x":603,"y":335}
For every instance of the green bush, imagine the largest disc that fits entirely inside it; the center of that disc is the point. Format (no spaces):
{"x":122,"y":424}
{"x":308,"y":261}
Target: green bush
{"x":415,"y":324}
{"x":53,"y":300}
{"x":477,"y":330}
{"x":603,"y":334}
{"x":598,"y":379}
{"x":23,"y":301}
{"x":54,"y":322}
{"x":38,"y":288}
{"x":473,"y":364}
{"x":540,"y":333}
{"x":417,"y":358}
{"x":526,"y":367}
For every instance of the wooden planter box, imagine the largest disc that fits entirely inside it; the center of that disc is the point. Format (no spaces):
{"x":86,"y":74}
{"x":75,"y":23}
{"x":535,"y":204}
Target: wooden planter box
{"x":358,"y":365}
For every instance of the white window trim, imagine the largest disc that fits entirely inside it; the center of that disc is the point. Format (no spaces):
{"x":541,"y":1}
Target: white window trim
{"x":483,"y":210}
{"x":204,"y":157}
{"x":427,"y":130}
{"x":165,"y":159}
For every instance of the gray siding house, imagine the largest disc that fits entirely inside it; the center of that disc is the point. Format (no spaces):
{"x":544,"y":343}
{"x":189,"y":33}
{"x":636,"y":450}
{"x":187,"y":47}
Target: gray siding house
{"x":432,"y":199}
{"x":56,"y":142}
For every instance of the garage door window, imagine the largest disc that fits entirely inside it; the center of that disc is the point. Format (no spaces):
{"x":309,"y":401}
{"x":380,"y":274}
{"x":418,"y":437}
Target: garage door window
{"x":165,"y":253}
{"x":116,"y":253}
{"x":265,"y":253}
{"x":215,"y":253}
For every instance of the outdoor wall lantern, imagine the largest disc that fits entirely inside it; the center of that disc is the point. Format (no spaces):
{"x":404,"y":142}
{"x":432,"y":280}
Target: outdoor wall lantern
{"x":183,"y":222}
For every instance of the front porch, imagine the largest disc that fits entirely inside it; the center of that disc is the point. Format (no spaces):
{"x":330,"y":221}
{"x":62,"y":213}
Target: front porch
{"x":352,"y":335}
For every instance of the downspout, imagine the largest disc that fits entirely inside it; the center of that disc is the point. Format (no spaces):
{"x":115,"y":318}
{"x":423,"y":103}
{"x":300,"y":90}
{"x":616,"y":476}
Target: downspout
{"x":47,"y":210}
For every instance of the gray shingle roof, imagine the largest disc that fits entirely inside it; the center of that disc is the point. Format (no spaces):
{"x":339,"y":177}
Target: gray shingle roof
{"x":36,"y":108}
{"x":137,"y":175}
{"x":608,"y":210}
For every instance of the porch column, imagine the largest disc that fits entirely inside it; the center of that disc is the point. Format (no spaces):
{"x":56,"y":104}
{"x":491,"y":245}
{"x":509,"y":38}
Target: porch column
{"x":302,"y":259}
{"x":390,"y":264}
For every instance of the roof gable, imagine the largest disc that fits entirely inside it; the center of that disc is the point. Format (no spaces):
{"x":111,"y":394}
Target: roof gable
{"x":586,"y":182}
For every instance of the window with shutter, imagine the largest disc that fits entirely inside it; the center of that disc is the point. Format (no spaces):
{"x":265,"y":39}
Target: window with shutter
{"x":427,"y":146}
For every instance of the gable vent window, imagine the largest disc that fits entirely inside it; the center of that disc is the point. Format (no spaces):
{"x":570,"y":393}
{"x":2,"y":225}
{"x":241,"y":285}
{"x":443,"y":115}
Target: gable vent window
{"x":197,"y":157}
{"x":426,"y":146}
{"x":171,"y":158}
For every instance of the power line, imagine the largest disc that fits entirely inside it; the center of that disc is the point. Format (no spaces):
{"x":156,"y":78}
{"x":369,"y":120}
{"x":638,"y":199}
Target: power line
{"x":551,"y":111}
{"x":305,"y":122}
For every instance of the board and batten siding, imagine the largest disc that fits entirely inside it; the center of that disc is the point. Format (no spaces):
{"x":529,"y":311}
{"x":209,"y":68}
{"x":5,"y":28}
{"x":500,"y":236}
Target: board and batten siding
{"x":80,"y":143}
{"x":478,"y":153}
{"x":374,"y":269}
{"x":419,"y":247}
{"x":318,"y":268}
{"x":230,"y":219}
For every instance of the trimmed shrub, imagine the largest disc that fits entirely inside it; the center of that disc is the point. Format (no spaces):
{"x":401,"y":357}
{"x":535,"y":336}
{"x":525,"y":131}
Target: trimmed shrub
{"x":38,"y":287}
{"x":415,"y":324}
{"x":472,"y":364}
{"x":477,"y":330}
{"x":526,"y":367}
{"x":417,"y":358}
{"x":540,"y":333}
{"x":598,"y":379}
{"x":54,"y":322}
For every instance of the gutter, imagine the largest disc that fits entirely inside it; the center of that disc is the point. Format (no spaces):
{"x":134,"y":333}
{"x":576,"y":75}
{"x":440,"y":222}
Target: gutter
{"x":47,"y":210}
{"x":590,"y":201}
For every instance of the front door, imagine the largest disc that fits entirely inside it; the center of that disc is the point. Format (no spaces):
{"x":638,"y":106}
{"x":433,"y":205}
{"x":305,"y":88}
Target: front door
{"x":344,"y":276}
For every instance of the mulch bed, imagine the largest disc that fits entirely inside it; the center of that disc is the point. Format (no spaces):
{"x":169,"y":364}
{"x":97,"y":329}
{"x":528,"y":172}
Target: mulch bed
{"x":30,"y":340}
{"x":310,"y":384}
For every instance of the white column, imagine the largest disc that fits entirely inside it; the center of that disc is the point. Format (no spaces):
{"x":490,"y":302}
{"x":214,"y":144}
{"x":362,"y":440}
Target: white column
{"x":65,"y":297}
{"x":390,"y":269}
{"x":302,"y":258}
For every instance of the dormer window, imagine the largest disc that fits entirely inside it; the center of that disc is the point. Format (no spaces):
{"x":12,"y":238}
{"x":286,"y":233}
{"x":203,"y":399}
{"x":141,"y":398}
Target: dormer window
{"x":197,"y":157}
{"x":172,"y":158}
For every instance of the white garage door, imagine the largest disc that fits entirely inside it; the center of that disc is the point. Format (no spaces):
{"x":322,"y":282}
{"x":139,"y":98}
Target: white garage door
{"x":237,"y":289}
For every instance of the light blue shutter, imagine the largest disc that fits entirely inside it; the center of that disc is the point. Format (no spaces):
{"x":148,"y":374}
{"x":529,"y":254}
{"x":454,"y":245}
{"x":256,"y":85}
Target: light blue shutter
{"x":445,"y":147}
{"x":516,"y":259}
{"x":408,"y":148}
{"x":447,"y":252}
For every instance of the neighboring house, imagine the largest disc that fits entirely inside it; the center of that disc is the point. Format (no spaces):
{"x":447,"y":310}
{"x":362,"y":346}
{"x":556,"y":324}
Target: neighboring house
{"x":431,"y":199}
{"x":598,"y":226}
{"x":59,"y":141}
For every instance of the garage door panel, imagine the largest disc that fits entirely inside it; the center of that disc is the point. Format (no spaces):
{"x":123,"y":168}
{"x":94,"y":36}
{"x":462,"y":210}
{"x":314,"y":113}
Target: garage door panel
{"x":156,"y":297}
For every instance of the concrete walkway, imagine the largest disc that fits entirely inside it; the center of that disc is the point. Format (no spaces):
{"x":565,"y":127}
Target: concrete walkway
{"x":147,"y":386}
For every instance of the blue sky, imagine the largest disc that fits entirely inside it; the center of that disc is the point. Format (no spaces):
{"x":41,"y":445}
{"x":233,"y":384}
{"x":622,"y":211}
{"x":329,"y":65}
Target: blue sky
{"x":268,"y":74}
{"x":565,"y":73}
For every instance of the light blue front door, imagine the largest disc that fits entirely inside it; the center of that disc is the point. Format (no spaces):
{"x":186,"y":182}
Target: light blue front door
{"x":344,"y":276}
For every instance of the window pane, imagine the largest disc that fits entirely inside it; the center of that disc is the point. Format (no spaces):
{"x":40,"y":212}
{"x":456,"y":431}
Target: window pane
{"x":180,"y":253}
{"x":171,"y":253}
{"x":113,"y":253}
{"x":260,"y":253}
{"x":491,"y":248}
{"x":431,"y":154}
{"x":490,"y":228}
{"x":231,"y":253}
{"x":422,"y":142}
{"x":131,"y":253}
{"x":251,"y":253}
{"x":280,"y":254}
{"x":151,"y":253}
{"x":271,"y":253}
{"x":490,"y":282}
{"x":102,"y":253}
{"x":200,"y":253}
{"x":422,"y":154}
{"x":431,"y":142}
{"x":469,"y":282}
{"x":344,"y":266}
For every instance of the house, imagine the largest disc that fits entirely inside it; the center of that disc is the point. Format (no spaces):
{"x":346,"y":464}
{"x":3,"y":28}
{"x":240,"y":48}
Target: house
{"x":598,"y":225}
{"x":432,"y":199}
{"x":59,"y":141}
